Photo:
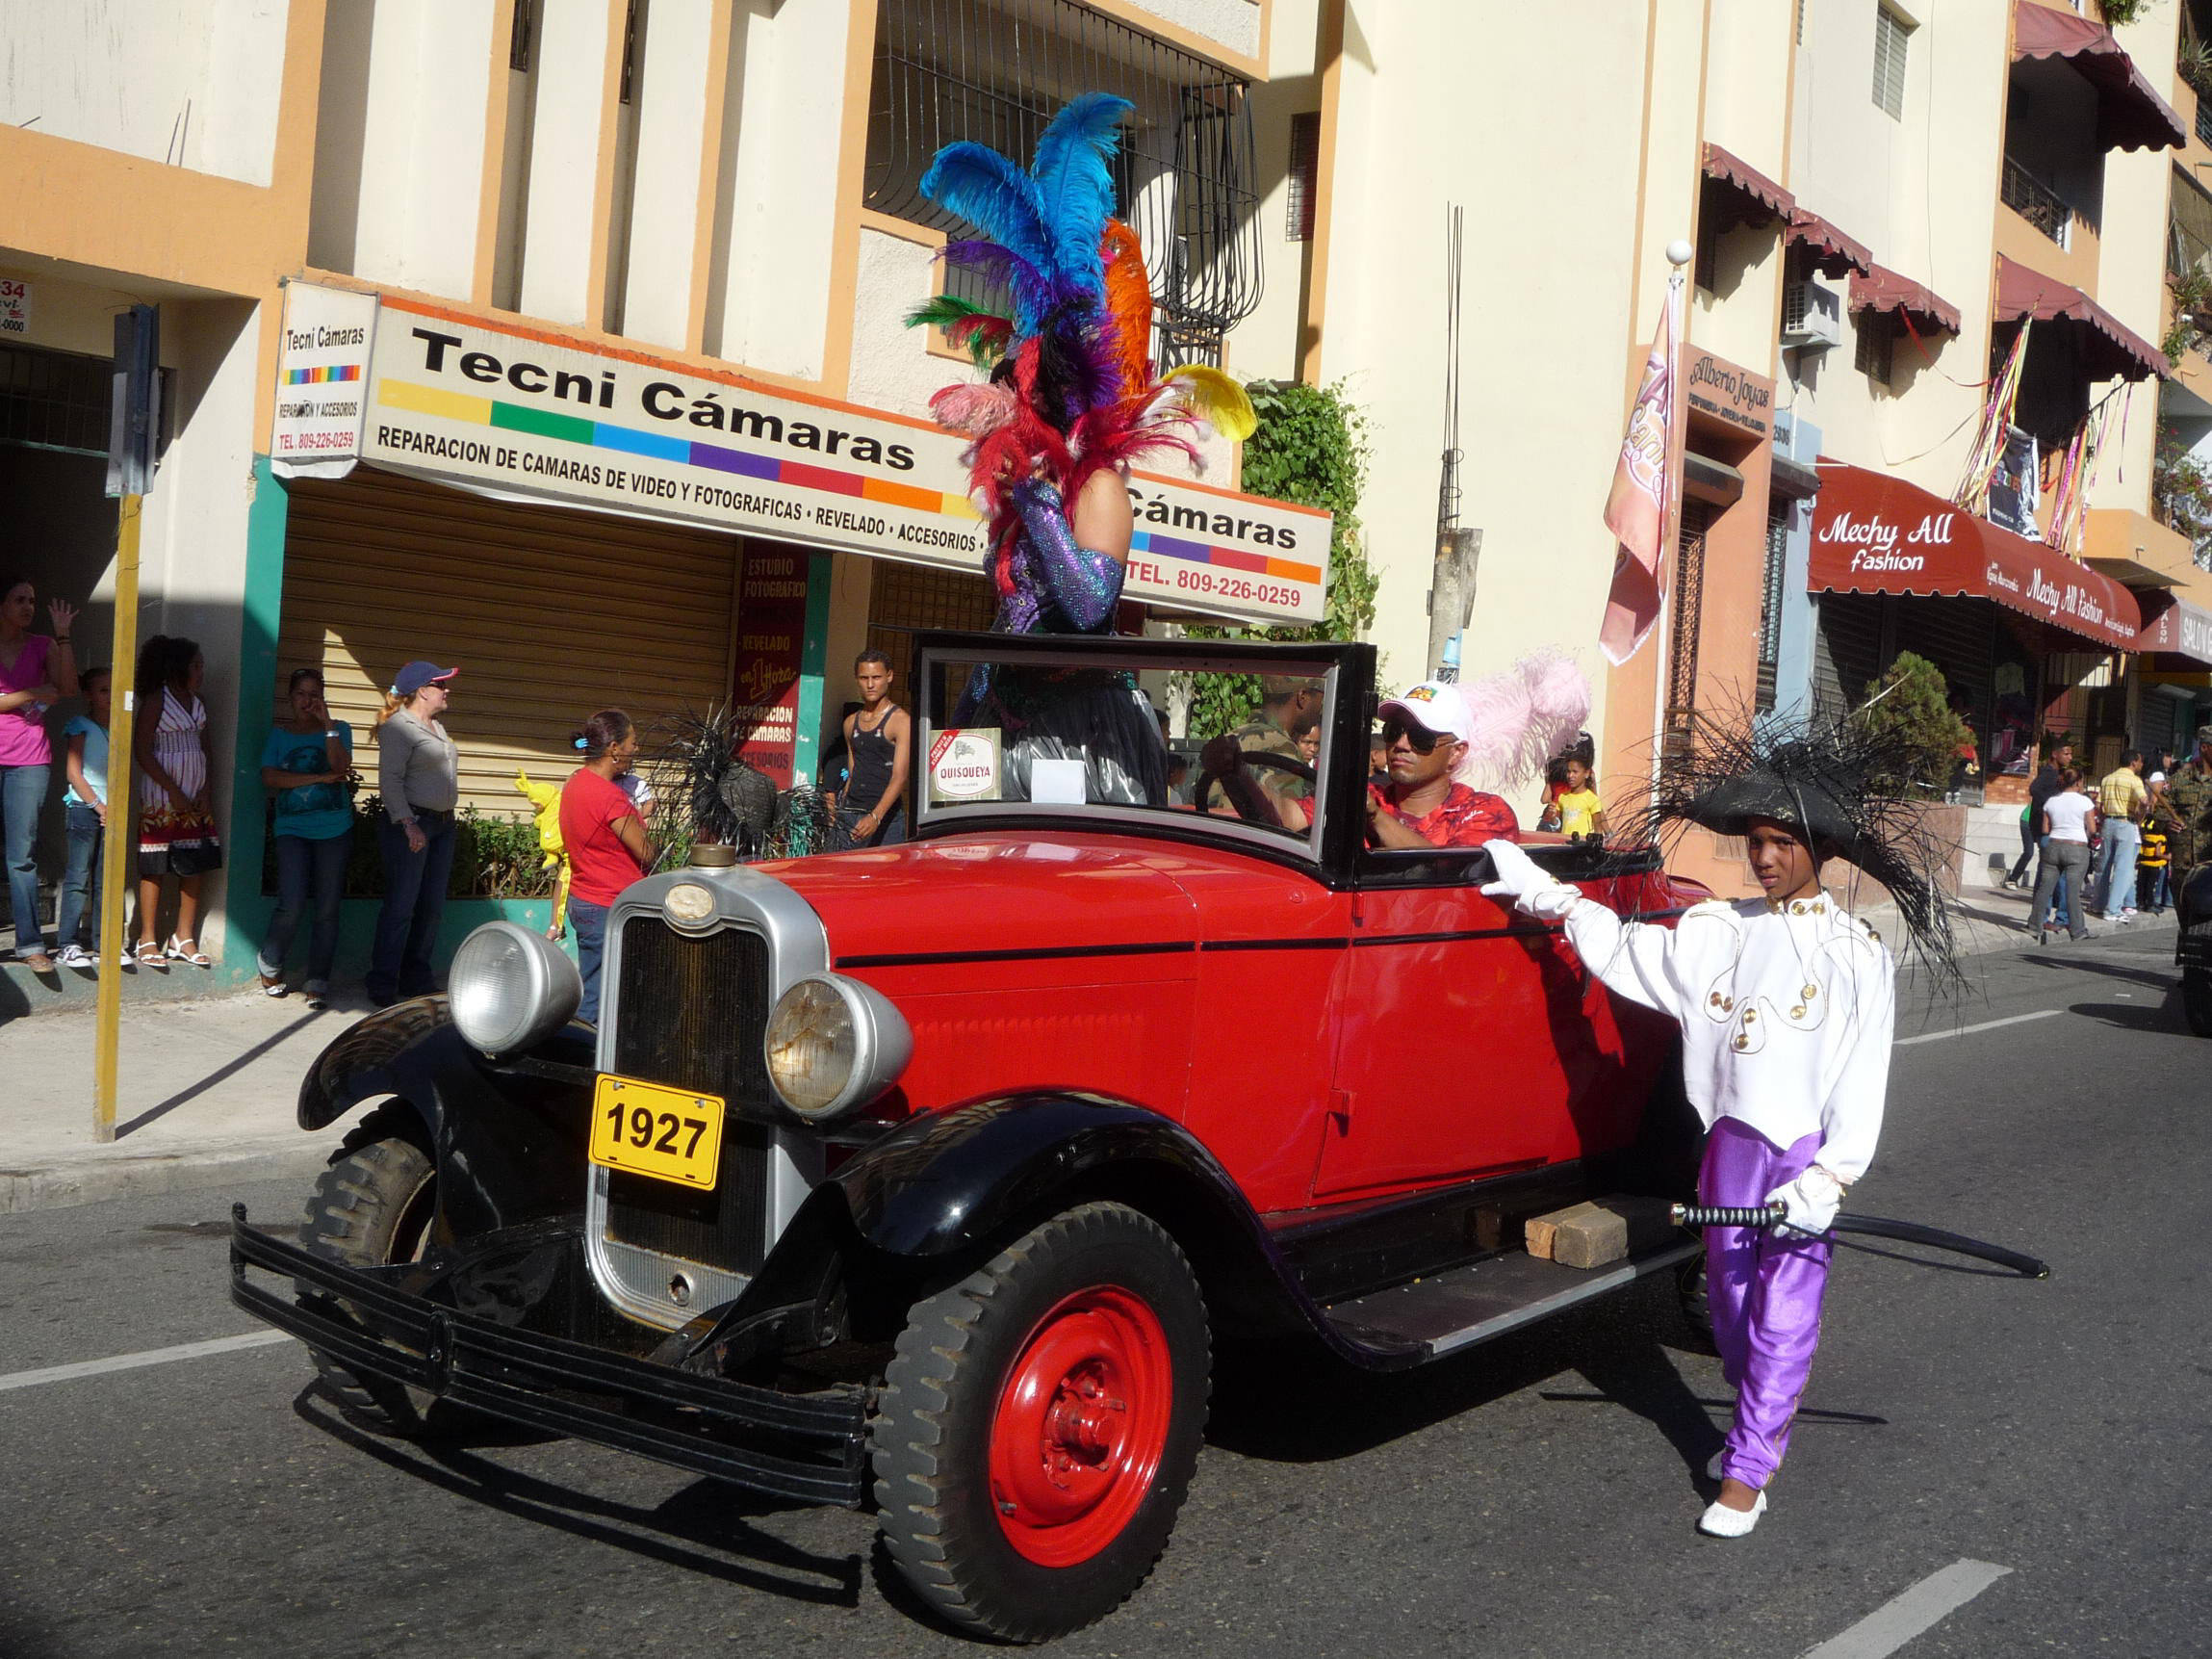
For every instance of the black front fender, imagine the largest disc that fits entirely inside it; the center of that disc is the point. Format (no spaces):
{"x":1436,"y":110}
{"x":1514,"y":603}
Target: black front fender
{"x":2192,"y":904}
{"x":951,"y":1184}
{"x":508,"y":1137}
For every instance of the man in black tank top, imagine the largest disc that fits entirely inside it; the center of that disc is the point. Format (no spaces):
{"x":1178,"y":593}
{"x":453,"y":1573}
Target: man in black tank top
{"x":878,"y":735}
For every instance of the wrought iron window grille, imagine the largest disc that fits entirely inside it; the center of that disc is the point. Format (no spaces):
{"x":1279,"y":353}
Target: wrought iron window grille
{"x":995,"y":71}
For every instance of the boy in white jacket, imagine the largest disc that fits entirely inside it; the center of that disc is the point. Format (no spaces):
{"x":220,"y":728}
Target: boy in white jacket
{"x":1786,"y":1006}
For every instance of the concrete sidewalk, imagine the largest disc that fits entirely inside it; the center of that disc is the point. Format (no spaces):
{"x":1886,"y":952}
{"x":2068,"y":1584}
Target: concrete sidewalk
{"x":208,"y":1091}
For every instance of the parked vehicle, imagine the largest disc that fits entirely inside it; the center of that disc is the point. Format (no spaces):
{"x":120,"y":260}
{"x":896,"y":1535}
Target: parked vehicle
{"x":937,"y":1172}
{"x":2193,"y":945}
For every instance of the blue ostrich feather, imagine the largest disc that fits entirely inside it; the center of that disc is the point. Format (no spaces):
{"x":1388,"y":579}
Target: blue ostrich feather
{"x":1074,"y":186}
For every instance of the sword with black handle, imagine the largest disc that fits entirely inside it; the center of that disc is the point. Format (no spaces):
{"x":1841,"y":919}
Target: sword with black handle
{"x":1768,"y":1216}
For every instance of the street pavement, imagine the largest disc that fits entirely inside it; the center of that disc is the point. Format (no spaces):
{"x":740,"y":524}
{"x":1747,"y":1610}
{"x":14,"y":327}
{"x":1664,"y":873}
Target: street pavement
{"x":1535,"y":1497}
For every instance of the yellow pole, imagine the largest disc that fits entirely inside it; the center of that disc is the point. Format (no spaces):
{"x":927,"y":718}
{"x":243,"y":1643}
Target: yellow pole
{"x":121,"y":842}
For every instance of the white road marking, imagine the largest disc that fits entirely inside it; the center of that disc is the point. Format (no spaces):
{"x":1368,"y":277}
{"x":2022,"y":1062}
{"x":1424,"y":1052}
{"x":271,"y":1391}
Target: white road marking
{"x":150,"y":1356}
{"x":1969,"y":1030}
{"x":1897,"y":1620}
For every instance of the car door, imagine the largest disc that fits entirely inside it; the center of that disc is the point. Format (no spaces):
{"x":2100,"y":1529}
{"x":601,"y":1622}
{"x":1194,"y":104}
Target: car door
{"x":1462,"y":1032}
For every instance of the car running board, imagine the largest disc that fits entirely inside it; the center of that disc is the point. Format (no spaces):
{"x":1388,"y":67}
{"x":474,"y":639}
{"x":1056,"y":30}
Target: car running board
{"x":1456,"y":1309}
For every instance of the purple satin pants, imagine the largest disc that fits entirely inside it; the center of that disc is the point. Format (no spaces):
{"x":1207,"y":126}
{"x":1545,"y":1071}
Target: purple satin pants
{"x":1765,"y":1289}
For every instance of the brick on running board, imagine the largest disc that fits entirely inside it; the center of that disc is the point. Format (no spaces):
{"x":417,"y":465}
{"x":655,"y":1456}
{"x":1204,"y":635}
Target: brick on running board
{"x":1600,"y":1232}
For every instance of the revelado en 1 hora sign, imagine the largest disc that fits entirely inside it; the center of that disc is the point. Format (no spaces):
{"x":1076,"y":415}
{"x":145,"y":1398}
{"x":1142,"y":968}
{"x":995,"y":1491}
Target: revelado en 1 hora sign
{"x":447,"y":397}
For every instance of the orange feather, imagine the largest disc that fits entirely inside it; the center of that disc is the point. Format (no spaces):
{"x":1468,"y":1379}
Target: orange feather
{"x":1129,"y":304}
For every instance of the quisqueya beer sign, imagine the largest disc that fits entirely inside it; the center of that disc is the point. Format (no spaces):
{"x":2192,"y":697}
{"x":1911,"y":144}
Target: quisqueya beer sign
{"x":447,"y":397}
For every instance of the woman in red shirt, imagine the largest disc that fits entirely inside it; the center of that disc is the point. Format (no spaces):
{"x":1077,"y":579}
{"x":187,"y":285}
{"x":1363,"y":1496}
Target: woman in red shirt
{"x":604,"y":838}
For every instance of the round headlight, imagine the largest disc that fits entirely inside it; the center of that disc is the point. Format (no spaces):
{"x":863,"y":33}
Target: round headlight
{"x":833,"y":1043}
{"x":688,"y":905}
{"x":510,"y":988}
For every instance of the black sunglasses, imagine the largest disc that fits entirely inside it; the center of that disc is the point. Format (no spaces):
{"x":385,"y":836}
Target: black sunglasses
{"x":1423,"y":740}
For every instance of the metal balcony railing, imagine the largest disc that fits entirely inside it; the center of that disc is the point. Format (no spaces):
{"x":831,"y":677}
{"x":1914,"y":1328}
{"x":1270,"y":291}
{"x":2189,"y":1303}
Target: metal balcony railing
{"x":2204,"y":119}
{"x":2040,"y":205}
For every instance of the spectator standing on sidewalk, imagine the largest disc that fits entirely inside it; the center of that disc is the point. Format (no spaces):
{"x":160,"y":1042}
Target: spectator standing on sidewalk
{"x":2150,"y":862}
{"x":417,"y":776}
{"x":2041,"y":789}
{"x":2186,"y":811}
{"x":606,"y":841}
{"x":304,"y":765}
{"x":85,"y":813}
{"x":2121,"y":800}
{"x":871,"y":809}
{"x":2068,"y":820}
{"x":36,"y":672}
{"x":176,"y":826}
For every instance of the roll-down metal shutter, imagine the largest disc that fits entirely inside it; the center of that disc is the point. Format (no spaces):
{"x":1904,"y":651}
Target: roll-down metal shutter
{"x":549,"y":613}
{"x":1847,"y":649}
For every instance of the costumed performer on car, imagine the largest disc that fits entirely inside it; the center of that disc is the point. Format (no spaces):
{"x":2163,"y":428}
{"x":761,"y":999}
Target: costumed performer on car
{"x":1787,"y":1004}
{"x":1070,"y":401}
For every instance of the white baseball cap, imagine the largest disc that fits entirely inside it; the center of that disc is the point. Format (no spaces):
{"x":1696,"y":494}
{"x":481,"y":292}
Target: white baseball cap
{"x":1434,"y":707}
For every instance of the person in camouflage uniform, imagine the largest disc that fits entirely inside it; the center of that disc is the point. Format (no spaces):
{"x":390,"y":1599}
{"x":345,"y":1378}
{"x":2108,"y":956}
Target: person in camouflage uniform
{"x":2186,"y":811}
{"x":1283,"y":700}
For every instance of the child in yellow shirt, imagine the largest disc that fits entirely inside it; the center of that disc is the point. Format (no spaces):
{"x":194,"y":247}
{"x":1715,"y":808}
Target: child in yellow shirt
{"x":1575,"y":810}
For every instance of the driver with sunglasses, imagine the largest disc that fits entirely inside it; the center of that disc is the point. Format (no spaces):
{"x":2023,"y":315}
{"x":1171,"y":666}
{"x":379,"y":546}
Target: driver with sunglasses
{"x":1424,"y":732}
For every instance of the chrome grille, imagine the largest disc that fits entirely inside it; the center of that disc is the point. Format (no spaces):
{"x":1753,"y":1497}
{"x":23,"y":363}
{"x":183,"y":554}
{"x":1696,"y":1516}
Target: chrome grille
{"x":689,"y":1013}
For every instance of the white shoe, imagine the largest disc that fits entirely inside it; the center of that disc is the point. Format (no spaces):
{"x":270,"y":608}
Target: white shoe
{"x":317,"y":992}
{"x":1714,"y":1470}
{"x":1721,"y":1521}
{"x":77,"y":956}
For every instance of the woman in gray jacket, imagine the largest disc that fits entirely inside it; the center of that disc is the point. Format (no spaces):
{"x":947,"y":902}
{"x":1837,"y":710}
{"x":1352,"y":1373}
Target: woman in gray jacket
{"x":418,"y":779}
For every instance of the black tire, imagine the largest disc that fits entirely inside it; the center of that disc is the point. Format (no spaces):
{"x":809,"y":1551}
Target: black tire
{"x":2196,"y":981}
{"x":1696,"y":1306}
{"x":946,"y":1405}
{"x":372,"y":1208}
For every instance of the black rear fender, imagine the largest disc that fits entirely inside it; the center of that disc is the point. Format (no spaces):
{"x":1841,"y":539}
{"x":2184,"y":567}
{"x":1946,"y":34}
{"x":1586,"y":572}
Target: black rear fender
{"x":507,"y":1138}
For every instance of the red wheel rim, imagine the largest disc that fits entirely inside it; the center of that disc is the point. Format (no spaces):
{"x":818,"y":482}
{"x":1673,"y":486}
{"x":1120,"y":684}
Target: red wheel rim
{"x":1081,"y":1426}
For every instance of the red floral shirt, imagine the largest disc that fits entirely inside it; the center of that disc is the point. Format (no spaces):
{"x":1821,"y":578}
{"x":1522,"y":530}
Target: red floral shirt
{"x":1464,"y":817}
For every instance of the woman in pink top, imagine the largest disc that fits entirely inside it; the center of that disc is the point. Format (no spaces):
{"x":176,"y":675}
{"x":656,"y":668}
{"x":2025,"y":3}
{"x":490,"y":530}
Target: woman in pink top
{"x":36,"y":673}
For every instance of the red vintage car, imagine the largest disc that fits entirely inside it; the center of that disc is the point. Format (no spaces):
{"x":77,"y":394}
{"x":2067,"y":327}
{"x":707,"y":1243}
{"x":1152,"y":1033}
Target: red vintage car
{"x":935,"y":1172}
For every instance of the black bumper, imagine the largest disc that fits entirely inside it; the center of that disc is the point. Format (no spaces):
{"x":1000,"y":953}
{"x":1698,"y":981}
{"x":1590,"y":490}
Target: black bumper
{"x":805,"y":1447}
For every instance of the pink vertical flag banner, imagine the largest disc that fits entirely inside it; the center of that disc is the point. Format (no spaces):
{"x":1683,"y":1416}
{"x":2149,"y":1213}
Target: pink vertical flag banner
{"x":1637,"y":507}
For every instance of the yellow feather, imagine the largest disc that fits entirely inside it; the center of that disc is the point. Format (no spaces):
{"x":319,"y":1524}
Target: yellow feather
{"x":1218,"y":398}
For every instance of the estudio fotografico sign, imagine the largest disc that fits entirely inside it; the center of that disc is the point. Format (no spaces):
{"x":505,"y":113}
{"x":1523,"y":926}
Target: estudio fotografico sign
{"x":452,"y":398}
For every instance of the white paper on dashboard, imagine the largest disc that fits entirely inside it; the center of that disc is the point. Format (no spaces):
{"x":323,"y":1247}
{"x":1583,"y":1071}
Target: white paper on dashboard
{"x":1056,"y":783}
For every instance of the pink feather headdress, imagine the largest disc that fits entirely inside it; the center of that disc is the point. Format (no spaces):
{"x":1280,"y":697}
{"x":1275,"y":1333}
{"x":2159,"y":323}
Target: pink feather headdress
{"x":1522,"y":716}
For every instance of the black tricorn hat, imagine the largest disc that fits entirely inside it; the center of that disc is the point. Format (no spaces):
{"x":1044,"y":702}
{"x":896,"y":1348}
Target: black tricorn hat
{"x":1839,"y":782}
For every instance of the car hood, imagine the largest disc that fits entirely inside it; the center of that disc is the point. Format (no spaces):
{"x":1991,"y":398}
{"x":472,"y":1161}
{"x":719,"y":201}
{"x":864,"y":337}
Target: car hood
{"x":991,"y":893}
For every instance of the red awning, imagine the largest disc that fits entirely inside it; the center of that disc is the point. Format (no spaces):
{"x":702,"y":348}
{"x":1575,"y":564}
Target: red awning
{"x":1833,"y":252}
{"x":1874,"y":534}
{"x":1884,"y":290}
{"x":2177,"y":627}
{"x":2111,"y":349}
{"x":2130,"y":115}
{"x":1760,"y":194}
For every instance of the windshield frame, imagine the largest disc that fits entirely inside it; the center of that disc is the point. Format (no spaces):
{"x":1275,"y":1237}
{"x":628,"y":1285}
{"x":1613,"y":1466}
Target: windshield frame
{"x":1347,"y":671}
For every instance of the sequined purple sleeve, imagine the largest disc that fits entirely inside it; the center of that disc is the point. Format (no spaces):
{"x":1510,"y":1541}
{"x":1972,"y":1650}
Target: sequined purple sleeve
{"x":1082,"y":585}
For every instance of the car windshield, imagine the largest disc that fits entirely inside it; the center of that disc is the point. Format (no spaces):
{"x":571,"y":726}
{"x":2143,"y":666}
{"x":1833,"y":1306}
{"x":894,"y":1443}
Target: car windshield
{"x":1167,"y":735}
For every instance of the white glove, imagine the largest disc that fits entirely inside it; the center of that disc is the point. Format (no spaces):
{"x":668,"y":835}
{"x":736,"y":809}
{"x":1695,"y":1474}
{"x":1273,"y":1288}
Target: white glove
{"x":1531,"y":889}
{"x":1812,"y":1200}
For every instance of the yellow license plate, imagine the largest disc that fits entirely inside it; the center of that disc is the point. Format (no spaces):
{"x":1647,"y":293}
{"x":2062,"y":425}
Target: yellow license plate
{"x":669,"y":1134}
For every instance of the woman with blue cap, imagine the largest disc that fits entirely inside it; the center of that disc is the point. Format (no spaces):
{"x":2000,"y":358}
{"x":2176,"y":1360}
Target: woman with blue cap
{"x":418,"y":778}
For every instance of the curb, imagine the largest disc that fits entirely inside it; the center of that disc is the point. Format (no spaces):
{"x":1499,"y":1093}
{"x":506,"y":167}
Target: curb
{"x":95,"y":1178}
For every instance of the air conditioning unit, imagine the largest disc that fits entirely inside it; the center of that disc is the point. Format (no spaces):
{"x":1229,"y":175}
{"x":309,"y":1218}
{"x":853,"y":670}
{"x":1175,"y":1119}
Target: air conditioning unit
{"x":1812,"y":315}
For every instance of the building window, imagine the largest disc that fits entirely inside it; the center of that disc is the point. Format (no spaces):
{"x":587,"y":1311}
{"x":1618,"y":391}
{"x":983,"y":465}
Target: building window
{"x":1876,"y":348}
{"x":1770,"y":602}
{"x":995,"y":71}
{"x":1686,"y":624}
{"x":1890,"y":36}
{"x":1304,"y":173}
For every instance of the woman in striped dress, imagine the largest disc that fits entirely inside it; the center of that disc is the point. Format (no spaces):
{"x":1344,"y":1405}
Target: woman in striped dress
{"x":176,"y":827}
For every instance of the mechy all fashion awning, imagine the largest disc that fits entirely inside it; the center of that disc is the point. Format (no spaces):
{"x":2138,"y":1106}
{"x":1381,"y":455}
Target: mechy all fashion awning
{"x":1833,"y":253}
{"x":1884,"y":290}
{"x":2110,"y":349}
{"x":1874,"y":534}
{"x":1758,"y":197}
{"x":2130,"y":115}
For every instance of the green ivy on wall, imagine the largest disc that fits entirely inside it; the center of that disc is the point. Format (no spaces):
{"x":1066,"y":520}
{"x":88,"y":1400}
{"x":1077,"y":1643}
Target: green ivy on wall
{"x":1311,"y":449}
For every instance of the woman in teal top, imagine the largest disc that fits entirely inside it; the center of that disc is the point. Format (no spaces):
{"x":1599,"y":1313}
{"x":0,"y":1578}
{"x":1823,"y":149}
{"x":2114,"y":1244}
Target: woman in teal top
{"x":304,"y":767}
